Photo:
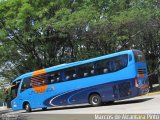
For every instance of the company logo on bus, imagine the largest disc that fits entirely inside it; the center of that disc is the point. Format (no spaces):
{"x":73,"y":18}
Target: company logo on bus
{"x":38,"y":81}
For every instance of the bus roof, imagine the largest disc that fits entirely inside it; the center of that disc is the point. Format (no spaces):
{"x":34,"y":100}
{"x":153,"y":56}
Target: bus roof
{"x":67,"y":65}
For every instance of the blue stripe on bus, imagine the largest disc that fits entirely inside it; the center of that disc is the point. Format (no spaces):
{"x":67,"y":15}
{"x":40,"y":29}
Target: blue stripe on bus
{"x":80,"y":96}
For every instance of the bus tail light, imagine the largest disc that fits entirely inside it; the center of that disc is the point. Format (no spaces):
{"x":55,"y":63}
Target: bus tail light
{"x":136,"y":81}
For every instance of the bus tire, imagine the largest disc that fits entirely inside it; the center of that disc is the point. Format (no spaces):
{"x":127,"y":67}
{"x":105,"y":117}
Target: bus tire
{"x":27,"y":107}
{"x":95,"y":100}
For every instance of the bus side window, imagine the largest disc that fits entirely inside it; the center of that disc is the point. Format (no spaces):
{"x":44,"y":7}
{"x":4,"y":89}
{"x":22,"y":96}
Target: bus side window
{"x":111,"y":66}
{"x":58,"y":77}
{"x":70,"y":74}
{"x":86,"y":70}
{"x":51,"y":79}
{"x":26,"y":84}
{"x":124,"y":59}
{"x":102,"y":67}
{"x":81,"y":71}
{"x":117,"y":64}
{"x":91,"y":69}
{"x":54,"y":77}
{"x":120,"y":62}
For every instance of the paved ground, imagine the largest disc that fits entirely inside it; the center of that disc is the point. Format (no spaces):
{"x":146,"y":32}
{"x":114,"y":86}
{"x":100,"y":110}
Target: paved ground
{"x":143,"y":104}
{"x":148,"y":104}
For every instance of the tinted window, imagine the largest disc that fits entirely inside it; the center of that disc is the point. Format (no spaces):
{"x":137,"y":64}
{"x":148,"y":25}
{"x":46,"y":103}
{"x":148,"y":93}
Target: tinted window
{"x":53,"y":77}
{"x":14,"y":89}
{"x":70,"y":74}
{"x":86,"y":70}
{"x":103,"y":66}
{"x":111,"y":64}
{"x":120,"y":62}
{"x":26,"y":84}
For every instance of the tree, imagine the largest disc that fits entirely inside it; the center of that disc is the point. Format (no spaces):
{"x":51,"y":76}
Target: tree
{"x":42,"y":33}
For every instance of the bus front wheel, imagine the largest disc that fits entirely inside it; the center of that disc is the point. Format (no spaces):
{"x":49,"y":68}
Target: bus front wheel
{"x":28,"y":107}
{"x":95,"y":100}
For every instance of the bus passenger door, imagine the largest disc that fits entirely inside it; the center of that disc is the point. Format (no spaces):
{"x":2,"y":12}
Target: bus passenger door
{"x":25,"y":91}
{"x":15,"y":97}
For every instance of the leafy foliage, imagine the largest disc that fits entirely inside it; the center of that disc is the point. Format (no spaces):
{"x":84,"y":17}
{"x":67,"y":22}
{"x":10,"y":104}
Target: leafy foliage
{"x":42,"y":33}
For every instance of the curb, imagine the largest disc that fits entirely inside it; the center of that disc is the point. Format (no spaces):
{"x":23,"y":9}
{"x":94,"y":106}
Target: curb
{"x":154,"y":93}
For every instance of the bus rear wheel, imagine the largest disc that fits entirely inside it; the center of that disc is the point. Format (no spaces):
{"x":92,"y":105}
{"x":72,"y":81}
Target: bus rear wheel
{"x":28,"y":107}
{"x":95,"y":100}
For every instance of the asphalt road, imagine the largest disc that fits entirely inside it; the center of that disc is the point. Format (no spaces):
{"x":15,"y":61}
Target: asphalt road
{"x":139,"y":105}
{"x":142,"y":104}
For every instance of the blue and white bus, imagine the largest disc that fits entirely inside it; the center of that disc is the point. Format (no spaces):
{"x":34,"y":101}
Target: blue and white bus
{"x":102,"y":79}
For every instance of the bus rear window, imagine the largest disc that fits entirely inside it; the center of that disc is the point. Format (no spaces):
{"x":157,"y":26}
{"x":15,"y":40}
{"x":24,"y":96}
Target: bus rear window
{"x":139,"y":57}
